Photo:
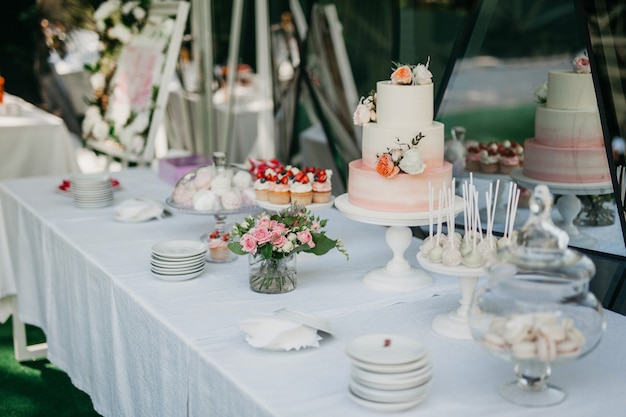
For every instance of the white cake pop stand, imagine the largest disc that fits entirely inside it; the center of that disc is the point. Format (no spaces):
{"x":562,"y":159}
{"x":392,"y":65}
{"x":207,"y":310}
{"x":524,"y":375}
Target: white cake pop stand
{"x":397,"y":275}
{"x":455,"y":324}
{"x":569,"y":205}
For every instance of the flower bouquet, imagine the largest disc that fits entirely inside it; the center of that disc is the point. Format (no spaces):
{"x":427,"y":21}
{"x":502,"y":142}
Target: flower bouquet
{"x":272,"y":241}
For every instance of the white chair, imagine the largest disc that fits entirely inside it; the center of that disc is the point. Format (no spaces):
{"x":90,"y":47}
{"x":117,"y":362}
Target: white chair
{"x":114,"y":151}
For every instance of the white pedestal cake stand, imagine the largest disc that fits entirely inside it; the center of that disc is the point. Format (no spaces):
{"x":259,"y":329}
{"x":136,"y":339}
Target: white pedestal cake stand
{"x":455,"y":324}
{"x":397,"y":275}
{"x":569,"y":205}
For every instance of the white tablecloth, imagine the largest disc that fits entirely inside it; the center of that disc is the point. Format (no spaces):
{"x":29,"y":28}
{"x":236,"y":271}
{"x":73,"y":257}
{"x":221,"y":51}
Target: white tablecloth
{"x":34,"y":143}
{"x":143,"y":347}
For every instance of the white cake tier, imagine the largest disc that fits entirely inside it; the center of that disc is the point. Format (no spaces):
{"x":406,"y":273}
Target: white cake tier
{"x":402,"y":193}
{"x":568,"y":128}
{"x":568,"y":90}
{"x":378,"y":139}
{"x":404,"y":105}
{"x":565,"y":165}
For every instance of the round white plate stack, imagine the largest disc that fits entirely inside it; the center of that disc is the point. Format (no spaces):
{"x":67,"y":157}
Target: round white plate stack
{"x":390,"y":372}
{"x":91,"y":190}
{"x":177,"y":260}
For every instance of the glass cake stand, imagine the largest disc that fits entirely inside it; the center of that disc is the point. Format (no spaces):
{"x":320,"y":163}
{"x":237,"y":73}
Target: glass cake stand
{"x":568,"y":204}
{"x":455,"y":324}
{"x":398,"y":274}
{"x":219,"y":225}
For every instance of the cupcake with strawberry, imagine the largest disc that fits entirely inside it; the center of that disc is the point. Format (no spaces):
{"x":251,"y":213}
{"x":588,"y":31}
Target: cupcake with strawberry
{"x":301,"y":190}
{"x":218,"y":246}
{"x":279,"y":192}
{"x":509,"y":161}
{"x":322,"y":187}
{"x":472,"y":159}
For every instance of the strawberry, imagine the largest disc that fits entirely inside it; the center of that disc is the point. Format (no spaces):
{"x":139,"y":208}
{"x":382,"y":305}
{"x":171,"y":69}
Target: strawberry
{"x":322,"y":178}
{"x":284,"y":180}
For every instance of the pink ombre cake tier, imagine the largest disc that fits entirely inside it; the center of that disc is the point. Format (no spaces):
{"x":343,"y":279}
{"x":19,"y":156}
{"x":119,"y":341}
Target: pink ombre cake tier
{"x":565,"y":165}
{"x":401,"y":194}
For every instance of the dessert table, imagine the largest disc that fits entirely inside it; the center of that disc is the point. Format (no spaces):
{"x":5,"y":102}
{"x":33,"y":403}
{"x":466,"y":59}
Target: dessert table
{"x":140,"y":346}
{"x":33,"y":142}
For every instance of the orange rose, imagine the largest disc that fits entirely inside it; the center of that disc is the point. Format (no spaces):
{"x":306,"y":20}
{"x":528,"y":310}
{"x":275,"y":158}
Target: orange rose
{"x":402,"y":75}
{"x":386,"y":167}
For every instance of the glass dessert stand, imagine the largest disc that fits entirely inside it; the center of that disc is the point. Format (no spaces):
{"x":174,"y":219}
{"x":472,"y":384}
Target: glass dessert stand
{"x":569,"y":205}
{"x":398,"y":274}
{"x":455,"y":324}
{"x":219,"y":225}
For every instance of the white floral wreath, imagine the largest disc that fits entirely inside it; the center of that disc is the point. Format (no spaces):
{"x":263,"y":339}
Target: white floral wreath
{"x":117,"y":21}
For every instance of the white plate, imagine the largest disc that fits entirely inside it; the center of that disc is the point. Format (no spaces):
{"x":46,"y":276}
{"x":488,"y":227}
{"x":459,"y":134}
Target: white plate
{"x":302,"y":318}
{"x":391,"y":369}
{"x":176,"y":261}
{"x":387,"y":396}
{"x":179,"y":249}
{"x":278,"y":207}
{"x":183,"y":277}
{"x":394,"y":384}
{"x":382,"y":377}
{"x":386,"y":349}
{"x":387,"y":407}
{"x":176,"y":271}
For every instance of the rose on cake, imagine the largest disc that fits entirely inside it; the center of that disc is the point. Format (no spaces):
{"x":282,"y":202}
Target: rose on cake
{"x":581,"y":64}
{"x":541,"y":93}
{"x":366,"y":110}
{"x":411,"y":74}
{"x":403,"y":158}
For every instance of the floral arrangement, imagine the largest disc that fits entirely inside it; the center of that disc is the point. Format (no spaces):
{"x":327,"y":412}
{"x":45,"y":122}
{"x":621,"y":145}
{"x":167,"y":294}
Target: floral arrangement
{"x":581,"y":63}
{"x":412,"y":74}
{"x":282,"y":234}
{"x":403,"y":158}
{"x":541,"y":93}
{"x":366,"y":110}
{"x":117,"y":21}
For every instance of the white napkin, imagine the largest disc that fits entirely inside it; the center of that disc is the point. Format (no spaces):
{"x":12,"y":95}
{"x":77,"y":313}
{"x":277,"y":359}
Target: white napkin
{"x":271,"y":332}
{"x":138,"y":209}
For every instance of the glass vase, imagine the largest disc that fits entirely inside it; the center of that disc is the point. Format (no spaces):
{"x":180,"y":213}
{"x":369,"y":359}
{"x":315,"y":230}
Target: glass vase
{"x":273,"y":276}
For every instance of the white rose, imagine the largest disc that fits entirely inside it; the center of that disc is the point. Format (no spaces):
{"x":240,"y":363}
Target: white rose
{"x":141,"y":122}
{"x":106,"y":9}
{"x":101,"y":130}
{"x":421,"y":75}
{"x":139,"y":13}
{"x":97,"y":81}
{"x":137,"y":144}
{"x":412,"y":162}
{"x":120,"y":32}
{"x":129,"y":6}
{"x":287,"y":246}
{"x":541,"y":93}
{"x":361,"y":115}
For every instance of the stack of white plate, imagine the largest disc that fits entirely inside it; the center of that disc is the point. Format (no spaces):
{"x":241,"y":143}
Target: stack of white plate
{"x":177,"y":260}
{"x":389,"y":372}
{"x":91,"y":190}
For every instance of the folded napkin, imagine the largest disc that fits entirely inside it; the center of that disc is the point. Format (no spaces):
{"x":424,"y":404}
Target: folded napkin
{"x":138,"y":209}
{"x":271,"y":332}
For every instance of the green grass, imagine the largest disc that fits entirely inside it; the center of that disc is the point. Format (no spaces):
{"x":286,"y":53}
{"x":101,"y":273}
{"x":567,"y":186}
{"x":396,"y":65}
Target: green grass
{"x":496,"y":124}
{"x":36,"y":388}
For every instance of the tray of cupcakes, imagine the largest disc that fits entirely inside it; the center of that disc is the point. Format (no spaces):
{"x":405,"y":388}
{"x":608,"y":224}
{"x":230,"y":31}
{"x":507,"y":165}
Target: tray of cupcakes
{"x":277,"y":186}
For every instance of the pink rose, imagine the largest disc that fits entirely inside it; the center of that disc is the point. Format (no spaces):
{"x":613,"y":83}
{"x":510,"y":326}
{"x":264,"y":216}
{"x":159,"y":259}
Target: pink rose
{"x":386,"y":167}
{"x":249,"y":244}
{"x":402,"y":75}
{"x":261,"y":235}
{"x":581,"y":65}
{"x":279,"y":241}
{"x":305,"y":237}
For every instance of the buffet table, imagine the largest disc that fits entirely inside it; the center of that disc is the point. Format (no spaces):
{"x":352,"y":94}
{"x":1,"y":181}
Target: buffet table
{"x":144,"y":347}
{"x":33,"y":142}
